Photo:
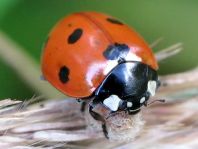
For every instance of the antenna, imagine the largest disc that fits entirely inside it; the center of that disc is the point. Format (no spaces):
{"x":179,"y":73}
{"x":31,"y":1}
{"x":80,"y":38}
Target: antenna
{"x":157,"y":100}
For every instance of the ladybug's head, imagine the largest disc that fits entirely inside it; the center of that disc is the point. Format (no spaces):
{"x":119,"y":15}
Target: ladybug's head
{"x":128,"y":87}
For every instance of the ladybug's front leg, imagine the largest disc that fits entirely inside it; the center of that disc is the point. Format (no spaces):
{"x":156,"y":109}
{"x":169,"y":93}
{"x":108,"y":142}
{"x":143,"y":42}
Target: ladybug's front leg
{"x":98,"y":117}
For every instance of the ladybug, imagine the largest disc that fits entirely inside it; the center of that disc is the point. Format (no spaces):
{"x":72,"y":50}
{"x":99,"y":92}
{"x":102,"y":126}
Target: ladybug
{"x":90,"y":55}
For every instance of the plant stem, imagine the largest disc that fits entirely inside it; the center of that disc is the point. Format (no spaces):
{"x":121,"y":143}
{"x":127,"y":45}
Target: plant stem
{"x":25,"y":66}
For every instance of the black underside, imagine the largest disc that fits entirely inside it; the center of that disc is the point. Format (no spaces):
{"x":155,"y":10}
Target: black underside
{"x":128,"y":81}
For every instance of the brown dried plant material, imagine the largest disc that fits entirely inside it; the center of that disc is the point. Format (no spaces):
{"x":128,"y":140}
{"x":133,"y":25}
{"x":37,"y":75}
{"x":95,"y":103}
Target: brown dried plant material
{"x":124,"y":127}
{"x":59,"y":124}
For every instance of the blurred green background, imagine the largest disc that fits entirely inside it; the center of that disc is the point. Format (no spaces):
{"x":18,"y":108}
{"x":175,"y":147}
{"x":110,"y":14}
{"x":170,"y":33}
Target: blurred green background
{"x":28,"y":22}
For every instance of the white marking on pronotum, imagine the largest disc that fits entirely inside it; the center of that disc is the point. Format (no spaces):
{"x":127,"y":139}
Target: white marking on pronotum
{"x":132,"y":57}
{"x":151,"y":87}
{"x":109,"y":66}
{"x":112,"y":102}
{"x":142,"y":100}
{"x":129,"y":104}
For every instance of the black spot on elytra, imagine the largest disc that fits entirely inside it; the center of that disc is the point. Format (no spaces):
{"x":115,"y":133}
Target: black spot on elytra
{"x":75,"y":36}
{"x":116,"y":52}
{"x":114,"y":21}
{"x":69,"y":25}
{"x":64,"y":74}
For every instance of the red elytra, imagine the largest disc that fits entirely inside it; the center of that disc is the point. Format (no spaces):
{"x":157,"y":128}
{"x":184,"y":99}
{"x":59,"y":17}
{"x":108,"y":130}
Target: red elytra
{"x":73,"y":58}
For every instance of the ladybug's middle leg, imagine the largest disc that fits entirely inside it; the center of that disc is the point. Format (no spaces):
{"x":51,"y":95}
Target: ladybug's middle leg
{"x":83,"y":105}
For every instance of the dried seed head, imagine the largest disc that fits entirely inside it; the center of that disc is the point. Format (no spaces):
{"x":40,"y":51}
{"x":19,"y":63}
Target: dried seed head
{"x":120,"y":125}
{"x":124,"y":127}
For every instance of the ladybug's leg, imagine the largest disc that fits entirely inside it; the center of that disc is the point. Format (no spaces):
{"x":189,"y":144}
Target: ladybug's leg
{"x":98,"y":117}
{"x":95,"y":115}
{"x":83,"y":105}
{"x":104,"y":129}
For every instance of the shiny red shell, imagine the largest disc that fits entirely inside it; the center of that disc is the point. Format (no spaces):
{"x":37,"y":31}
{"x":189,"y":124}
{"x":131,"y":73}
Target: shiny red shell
{"x":73,"y":59}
